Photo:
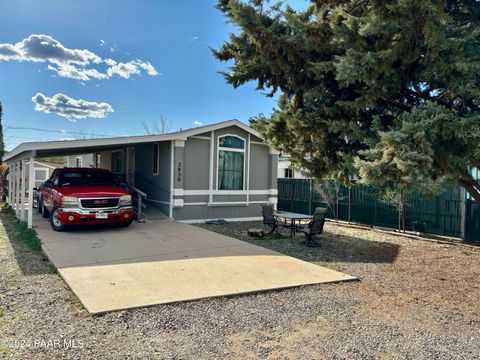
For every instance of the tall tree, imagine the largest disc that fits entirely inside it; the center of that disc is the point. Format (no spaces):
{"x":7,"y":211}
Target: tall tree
{"x":385,"y":89}
{"x":2,"y":144}
{"x":162,"y":126}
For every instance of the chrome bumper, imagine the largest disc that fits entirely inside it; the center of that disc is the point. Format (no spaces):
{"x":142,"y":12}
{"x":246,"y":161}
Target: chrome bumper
{"x":79,"y":211}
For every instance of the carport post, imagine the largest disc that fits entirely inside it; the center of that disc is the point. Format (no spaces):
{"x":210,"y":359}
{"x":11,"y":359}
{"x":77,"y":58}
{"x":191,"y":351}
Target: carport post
{"x":9,"y":179}
{"x":12,"y":184}
{"x":17,"y":190}
{"x":31,"y":185}
{"x":22,"y":194}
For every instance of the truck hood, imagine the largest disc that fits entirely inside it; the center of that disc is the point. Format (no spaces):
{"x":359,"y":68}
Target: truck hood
{"x":91,"y":191}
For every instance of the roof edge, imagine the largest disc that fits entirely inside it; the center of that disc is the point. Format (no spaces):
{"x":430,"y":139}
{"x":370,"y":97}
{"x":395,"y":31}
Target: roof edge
{"x":31,"y":147}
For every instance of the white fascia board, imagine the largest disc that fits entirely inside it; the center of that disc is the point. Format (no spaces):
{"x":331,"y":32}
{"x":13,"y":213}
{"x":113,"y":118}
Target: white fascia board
{"x":86,"y":143}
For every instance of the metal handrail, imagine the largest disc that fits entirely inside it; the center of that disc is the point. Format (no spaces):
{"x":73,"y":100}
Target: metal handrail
{"x":140,"y":192}
{"x":140,"y":195}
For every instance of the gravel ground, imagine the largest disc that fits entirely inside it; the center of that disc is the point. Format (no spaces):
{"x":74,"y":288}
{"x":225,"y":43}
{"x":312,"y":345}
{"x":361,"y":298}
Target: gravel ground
{"x":415,"y":300}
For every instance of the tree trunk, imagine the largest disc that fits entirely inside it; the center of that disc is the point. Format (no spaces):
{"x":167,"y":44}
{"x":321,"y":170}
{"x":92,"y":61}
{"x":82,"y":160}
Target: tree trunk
{"x":472,"y":187}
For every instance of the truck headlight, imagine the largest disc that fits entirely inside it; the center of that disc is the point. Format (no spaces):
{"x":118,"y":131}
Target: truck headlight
{"x":125,"y":200}
{"x":69,"y":201}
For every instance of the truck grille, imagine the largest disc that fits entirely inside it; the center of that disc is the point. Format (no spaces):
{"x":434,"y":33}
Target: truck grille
{"x":99,"y":203}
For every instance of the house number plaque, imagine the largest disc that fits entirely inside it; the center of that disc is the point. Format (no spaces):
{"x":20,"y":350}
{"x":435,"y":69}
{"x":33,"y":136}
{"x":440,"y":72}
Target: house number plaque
{"x":179,"y":171}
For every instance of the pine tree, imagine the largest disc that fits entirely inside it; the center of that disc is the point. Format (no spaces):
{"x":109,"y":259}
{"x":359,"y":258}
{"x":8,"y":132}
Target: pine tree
{"x":388,"y":90}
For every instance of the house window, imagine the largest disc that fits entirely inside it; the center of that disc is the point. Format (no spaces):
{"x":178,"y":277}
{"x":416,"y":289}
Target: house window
{"x":97,"y":160}
{"x":155,"y":159}
{"x":231,"y":162}
{"x":288,"y":173}
{"x":78,"y":161}
{"x":117,"y":162}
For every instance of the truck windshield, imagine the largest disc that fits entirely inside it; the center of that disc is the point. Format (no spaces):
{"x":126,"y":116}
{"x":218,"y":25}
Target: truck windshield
{"x":84,"y":178}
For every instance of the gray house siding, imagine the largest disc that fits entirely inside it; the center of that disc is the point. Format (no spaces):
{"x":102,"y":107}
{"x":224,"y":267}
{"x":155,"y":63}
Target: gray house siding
{"x":157,"y":187}
{"x":259,"y":179}
{"x":196,"y":195}
{"x":258,"y":198}
{"x":203,"y":212}
{"x":197,"y":158}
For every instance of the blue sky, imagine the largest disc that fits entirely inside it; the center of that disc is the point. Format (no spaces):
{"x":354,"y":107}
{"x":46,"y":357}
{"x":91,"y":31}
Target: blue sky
{"x":171,"y":38}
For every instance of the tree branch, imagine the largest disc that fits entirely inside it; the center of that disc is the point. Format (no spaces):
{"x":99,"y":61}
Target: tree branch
{"x":472,"y":187}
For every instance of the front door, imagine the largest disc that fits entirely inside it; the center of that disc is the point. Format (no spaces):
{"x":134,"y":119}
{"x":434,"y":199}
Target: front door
{"x":130,"y":165}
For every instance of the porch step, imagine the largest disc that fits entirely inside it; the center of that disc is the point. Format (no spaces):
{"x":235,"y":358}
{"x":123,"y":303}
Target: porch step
{"x":153,"y":213}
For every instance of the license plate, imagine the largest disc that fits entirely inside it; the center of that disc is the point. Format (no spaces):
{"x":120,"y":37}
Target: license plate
{"x":101,"y":215}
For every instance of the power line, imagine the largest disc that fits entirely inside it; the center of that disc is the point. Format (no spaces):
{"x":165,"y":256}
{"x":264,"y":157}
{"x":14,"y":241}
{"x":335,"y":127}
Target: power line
{"x":22,"y":137}
{"x":55,"y":131}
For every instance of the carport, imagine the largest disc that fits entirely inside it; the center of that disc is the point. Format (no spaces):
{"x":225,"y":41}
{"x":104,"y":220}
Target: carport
{"x":29,"y":152}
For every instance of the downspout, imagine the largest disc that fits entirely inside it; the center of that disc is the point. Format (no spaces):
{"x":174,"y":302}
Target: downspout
{"x":210,"y":178}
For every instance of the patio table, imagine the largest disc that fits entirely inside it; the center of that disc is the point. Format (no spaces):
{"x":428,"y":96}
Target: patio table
{"x":292,"y":218}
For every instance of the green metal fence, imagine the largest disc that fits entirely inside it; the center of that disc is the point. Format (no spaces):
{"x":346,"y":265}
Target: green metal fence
{"x":441,"y":215}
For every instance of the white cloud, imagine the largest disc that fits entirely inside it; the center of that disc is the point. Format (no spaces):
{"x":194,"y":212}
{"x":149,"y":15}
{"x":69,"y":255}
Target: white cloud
{"x":130,"y":68}
{"x":78,"y":73}
{"x":145,"y":65}
{"x":197,"y":123}
{"x":194,"y":38}
{"x":75,"y":64}
{"x":40,"y":48}
{"x":124,"y":70}
{"x":69,"y":108}
{"x":110,"y":62}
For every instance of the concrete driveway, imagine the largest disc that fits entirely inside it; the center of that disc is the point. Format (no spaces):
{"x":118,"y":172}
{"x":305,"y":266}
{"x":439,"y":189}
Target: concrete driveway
{"x":167,"y":261}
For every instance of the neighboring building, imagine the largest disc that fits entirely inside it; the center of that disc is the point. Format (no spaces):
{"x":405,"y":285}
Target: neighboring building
{"x":42,"y":172}
{"x":224,"y":170}
{"x":83,"y":160}
{"x":287,"y":171}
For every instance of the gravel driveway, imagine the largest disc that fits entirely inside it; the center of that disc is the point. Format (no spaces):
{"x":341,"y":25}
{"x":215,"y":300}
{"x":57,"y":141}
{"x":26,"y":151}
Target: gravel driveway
{"x":415,"y":300}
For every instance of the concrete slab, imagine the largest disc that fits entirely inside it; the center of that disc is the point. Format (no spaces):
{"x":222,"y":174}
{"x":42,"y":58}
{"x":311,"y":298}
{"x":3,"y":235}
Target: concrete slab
{"x":166,"y":261}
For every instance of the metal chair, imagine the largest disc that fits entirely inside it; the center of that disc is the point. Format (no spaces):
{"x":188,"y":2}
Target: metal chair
{"x":268,"y":218}
{"x":315,"y":227}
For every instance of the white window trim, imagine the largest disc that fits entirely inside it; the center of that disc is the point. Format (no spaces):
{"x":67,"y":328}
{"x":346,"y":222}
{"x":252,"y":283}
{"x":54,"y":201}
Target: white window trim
{"x":78,"y":162}
{"x":233,"y":150}
{"x":123,"y":160}
{"x":158,"y":159}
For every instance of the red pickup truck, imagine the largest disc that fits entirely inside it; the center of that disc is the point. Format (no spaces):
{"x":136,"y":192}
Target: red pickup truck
{"x":74,"y":196}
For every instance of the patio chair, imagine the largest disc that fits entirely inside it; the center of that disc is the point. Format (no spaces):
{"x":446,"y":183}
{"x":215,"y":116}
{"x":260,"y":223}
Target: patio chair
{"x":315,"y":227}
{"x":268,"y":218}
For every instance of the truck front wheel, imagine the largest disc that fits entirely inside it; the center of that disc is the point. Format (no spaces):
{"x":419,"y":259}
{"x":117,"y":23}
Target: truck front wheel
{"x":55,"y":221}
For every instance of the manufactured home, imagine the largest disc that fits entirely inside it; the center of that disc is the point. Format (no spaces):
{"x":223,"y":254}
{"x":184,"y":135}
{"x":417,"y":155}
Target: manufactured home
{"x":224,"y":170}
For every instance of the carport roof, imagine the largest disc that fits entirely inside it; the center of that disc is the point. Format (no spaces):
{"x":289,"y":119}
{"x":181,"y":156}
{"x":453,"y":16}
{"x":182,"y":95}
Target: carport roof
{"x":71,"y":147}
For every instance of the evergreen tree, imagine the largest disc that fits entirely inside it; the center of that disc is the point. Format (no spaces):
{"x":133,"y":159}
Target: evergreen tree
{"x":2,"y":144}
{"x":385,"y":89}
